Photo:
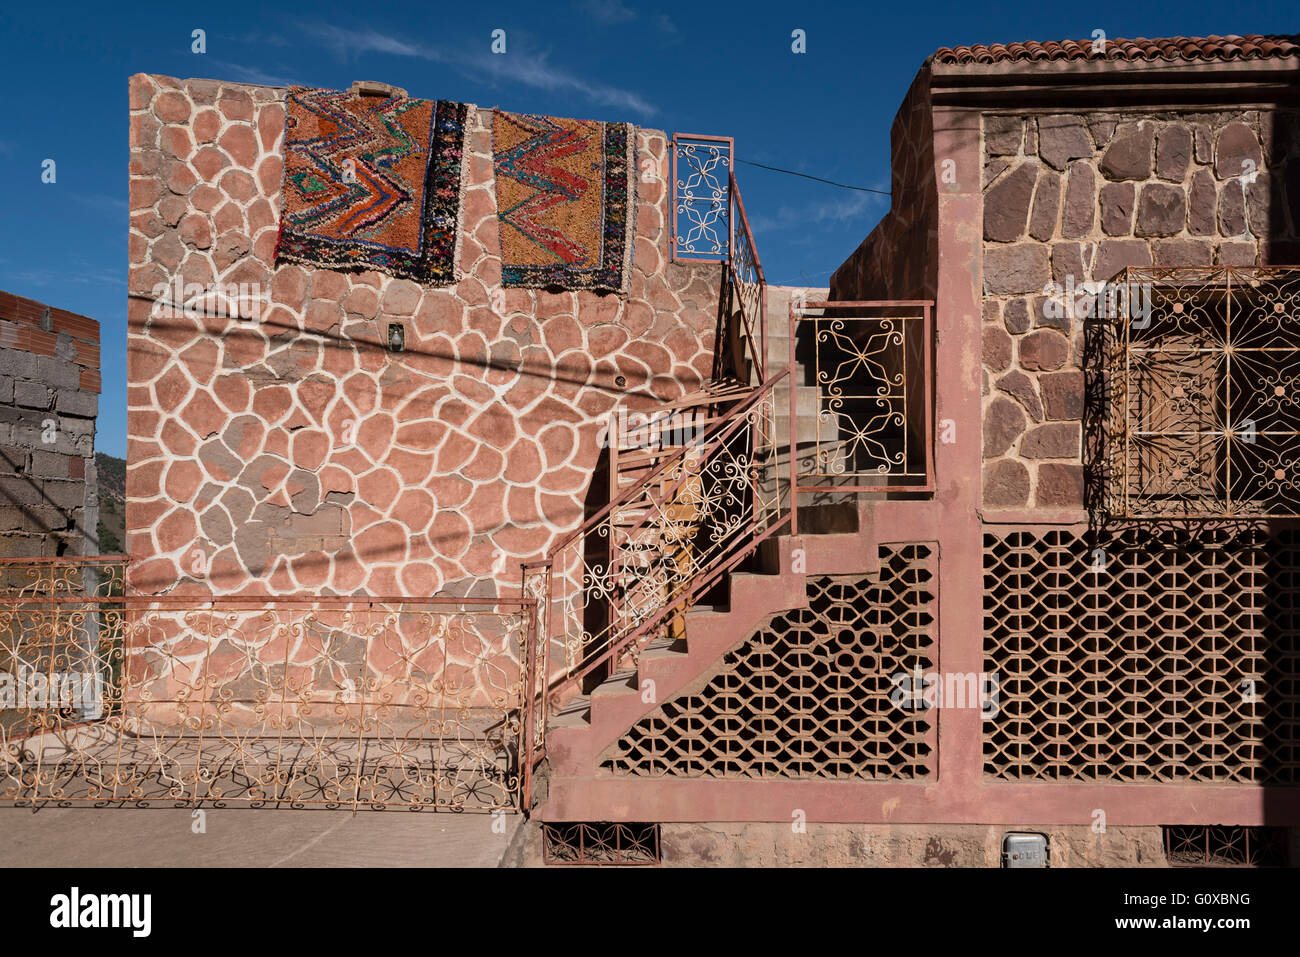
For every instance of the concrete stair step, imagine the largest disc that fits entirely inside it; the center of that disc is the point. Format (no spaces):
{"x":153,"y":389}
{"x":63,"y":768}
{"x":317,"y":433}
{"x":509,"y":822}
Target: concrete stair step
{"x":573,"y":714}
{"x":620,"y":682}
{"x":666,"y":666}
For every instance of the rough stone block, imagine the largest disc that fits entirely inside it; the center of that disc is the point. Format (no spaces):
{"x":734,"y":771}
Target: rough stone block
{"x":1006,"y":484}
{"x":1116,"y":254}
{"x":1018,"y":269}
{"x":1237,"y":152}
{"x":1173,"y":152}
{"x":77,"y":403}
{"x":1129,"y":154}
{"x":1059,"y":485}
{"x":31,"y":395}
{"x":1020,"y":386}
{"x":1062,"y":139}
{"x":1080,"y":201}
{"x":1045,"y":349}
{"x":1006,"y":205}
{"x":1047,"y":206}
{"x":1056,"y":440}
{"x":1232,"y":209}
{"x":1062,"y":394}
{"x":1117,"y":209}
{"x":1015,"y":316}
{"x":1003,"y":135}
{"x":1162,"y":210}
{"x":1202,"y":200}
{"x":1004,"y":421}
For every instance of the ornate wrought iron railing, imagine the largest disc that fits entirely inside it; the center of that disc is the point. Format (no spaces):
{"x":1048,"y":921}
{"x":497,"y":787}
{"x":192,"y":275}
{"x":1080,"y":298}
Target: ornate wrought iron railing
{"x":629,"y":573}
{"x":1201,"y":393}
{"x":290,"y":702}
{"x":709,"y":224}
{"x":872,"y":430}
{"x":700,"y":224}
{"x":746,"y":296}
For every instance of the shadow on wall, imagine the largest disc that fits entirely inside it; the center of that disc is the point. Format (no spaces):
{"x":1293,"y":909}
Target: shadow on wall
{"x":1192,"y":581}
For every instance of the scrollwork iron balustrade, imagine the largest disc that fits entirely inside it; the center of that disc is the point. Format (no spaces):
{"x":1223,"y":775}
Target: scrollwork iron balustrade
{"x":871,"y":365}
{"x":623,"y":577}
{"x":701,"y":215}
{"x":289,"y":702}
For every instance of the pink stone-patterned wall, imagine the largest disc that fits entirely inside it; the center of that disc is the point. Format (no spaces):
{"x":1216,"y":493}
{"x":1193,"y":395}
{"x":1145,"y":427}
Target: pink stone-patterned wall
{"x":294,"y":453}
{"x":1073,"y":198}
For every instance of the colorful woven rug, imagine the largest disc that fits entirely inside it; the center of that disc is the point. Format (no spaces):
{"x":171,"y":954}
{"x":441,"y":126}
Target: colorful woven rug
{"x":566,"y":198}
{"x":373,"y":182}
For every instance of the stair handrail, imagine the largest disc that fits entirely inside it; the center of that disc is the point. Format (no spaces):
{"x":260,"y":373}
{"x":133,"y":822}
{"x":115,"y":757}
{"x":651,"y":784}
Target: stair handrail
{"x":744,"y":269}
{"x":538,"y":576}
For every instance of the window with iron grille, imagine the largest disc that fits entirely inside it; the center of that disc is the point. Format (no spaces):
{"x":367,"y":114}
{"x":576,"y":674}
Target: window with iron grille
{"x":1202,"y":393}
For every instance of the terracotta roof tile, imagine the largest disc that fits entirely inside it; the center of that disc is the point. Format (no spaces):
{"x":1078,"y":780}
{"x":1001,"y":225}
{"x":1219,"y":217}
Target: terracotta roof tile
{"x":1252,"y":47}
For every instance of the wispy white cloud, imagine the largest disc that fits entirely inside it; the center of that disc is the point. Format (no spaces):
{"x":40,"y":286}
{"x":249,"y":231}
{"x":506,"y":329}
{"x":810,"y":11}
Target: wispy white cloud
{"x":112,"y":205}
{"x":607,"y":11}
{"x":529,"y":69}
{"x":255,"y":75}
{"x":75,"y":275}
{"x":535,"y":71}
{"x":350,"y":44}
{"x":835,"y":211}
{"x":665,"y":23}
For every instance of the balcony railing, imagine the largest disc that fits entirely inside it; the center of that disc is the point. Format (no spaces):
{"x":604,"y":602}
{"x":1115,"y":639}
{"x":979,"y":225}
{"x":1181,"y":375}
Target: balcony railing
{"x":283,"y":701}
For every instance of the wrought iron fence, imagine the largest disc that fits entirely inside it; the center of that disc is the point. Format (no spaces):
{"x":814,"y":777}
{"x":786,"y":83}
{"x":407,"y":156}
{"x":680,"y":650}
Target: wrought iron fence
{"x":1201,"y":393}
{"x":873,"y":426}
{"x":294,"y":702}
{"x":629,"y":573}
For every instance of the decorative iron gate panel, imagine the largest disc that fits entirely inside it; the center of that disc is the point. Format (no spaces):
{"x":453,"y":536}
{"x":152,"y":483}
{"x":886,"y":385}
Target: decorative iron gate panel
{"x":871,"y":365}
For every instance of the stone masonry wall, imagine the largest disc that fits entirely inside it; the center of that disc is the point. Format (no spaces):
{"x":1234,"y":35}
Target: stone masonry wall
{"x":49,"y":397}
{"x":295,"y":453}
{"x":1078,"y":197}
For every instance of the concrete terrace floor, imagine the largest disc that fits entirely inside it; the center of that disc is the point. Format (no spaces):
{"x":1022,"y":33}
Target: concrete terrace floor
{"x":248,"y":837}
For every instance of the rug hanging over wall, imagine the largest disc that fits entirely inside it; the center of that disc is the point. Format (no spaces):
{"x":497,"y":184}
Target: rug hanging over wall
{"x":373,"y":182}
{"x":566,"y":199}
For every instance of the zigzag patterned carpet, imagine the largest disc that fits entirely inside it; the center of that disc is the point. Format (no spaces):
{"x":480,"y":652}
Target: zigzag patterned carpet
{"x":566,"y":198}
{"x":372,"y":182}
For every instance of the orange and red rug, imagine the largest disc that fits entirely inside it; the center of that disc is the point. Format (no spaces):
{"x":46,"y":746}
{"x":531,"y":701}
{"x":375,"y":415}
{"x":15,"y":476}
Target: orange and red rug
{"x":566,"y":199}
{"x":373,"y":182}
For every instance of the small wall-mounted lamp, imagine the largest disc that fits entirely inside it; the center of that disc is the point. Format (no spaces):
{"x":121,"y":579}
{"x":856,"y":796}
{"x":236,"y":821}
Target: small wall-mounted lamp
{"x":396,"y":337}
{"x":620,"y":381}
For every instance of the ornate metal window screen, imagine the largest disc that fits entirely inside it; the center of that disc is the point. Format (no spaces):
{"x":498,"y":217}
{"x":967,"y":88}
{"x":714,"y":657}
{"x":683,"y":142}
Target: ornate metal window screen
{"x":1202,"y":398}
{"x":701,"y":216}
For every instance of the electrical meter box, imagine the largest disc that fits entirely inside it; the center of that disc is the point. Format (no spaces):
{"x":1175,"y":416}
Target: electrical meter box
{"x":1024,"y":850}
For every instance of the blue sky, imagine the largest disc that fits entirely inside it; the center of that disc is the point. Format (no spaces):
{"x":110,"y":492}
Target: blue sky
{"x":701,"y":67}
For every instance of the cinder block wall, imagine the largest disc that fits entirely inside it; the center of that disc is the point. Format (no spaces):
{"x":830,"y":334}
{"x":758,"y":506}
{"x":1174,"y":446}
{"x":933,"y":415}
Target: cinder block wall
{"x":49,"y":397}
{"x":295,"y":453}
